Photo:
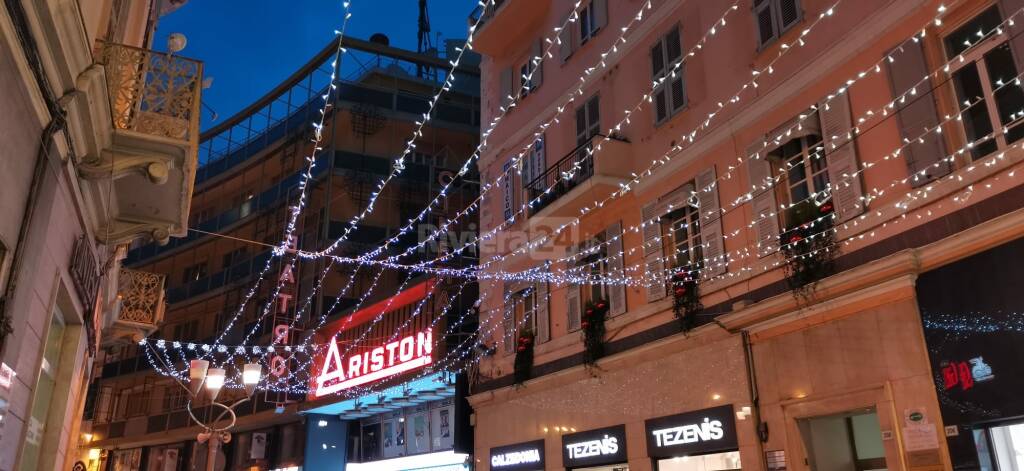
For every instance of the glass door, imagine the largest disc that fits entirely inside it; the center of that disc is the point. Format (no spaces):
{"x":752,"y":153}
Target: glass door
{"x":850,"y":441}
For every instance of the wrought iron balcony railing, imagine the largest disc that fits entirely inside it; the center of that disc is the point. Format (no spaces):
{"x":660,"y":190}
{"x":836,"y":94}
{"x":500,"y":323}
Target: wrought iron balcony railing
{"x":153,"y":93}
{"x":142,"y":297}
{"x":561,"y":177}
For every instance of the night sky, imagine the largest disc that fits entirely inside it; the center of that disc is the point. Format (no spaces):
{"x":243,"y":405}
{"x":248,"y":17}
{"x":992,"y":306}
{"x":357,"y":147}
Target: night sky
{"x":249,"y":47}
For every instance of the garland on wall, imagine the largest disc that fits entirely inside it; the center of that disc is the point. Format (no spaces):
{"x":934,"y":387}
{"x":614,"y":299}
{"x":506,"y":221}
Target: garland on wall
{"x":686,"y":297}
{"x":594,"y":315}
{"x":523,"y":367}
{"x":810,"y":252}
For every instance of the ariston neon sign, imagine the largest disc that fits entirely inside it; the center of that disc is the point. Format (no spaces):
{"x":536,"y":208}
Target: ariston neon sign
{"x":409,"y":353}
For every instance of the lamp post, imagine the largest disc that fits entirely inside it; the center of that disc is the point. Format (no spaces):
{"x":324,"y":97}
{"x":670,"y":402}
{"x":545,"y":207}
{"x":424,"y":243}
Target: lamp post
{"x":200,"y":374}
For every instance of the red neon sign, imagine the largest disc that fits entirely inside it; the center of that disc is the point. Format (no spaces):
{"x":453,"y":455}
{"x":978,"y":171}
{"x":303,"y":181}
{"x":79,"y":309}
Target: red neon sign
{"x":407,"y":354}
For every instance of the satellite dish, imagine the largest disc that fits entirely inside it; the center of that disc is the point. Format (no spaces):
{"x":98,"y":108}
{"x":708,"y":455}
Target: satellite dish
{"x":176,"y":42}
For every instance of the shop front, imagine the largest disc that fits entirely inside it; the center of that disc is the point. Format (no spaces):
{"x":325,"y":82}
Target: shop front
{"x":642,"y":410}
{"x":376,"y":406}
{"x":974,"y":328}
{"x":694,"y":441}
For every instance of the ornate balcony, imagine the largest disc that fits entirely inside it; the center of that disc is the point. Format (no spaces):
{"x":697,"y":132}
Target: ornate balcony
{"x":139,"y":309}
{"x":138,"y":163}
{"x":579,"y":178}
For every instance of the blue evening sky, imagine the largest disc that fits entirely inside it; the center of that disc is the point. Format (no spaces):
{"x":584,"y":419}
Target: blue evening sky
{"x":249,"y":47}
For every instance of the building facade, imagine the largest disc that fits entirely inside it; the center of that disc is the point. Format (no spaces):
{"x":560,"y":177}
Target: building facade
{"x":739,"y":205}
{"x":250,"y":167}
{"x":96,"y":155}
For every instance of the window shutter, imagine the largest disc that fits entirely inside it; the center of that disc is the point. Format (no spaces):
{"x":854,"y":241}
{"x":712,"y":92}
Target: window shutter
{"x":657,"y":72}
{"x":789,"y":13}
{"x":710,"y":223}
{"x":508,"y":322}
{"x":543,"y":317}
{"x":565,"y":46}
{"x":600,"y":8}
{"x":841,"y":155}
{"x":1010,"y":7}
{"x":763,"y":205}
{"x":538,"y":69}
{"x":537,"y":161}
{"x":507,"y":189}
{"x":677,"y":82}
{"x":917,"y":113}
{"x":765,"y":23}
{"x":616,"y":291}
{"x":653,"y":254}
{"x":572,"y":296}
{"x":506,"y":86}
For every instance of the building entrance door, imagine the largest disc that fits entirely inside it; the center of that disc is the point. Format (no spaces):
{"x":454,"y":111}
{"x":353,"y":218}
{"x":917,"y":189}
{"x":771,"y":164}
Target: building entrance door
{"x":850,"y":441}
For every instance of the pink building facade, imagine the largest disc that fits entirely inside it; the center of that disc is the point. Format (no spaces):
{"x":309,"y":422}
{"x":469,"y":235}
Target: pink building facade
{"x":751,"y":190}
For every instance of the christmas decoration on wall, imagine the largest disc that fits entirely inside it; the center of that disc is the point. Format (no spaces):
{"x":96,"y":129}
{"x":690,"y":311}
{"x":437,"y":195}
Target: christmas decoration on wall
{"x":594,"y":316}
{"x":523,"y":366}
{"x":686,"y":297}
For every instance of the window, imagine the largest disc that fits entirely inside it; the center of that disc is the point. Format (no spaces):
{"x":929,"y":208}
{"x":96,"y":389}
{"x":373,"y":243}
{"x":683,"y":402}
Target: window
{"x":595,"y":264}
{"x":592,"y":18}
{"x":588,"y":120}
{"x":525,"y":71}
{"x":986,"y":105}
{"x":245,"y":207}
{"x":234,"y":257}
{"x":681,"y":229}
{"x":175,"y":398}
{"x":806,"y":174}
{"x":187,"y":330}
{"x":194,"y":273}
{"x":523,"y":317}
{"x":670,"y":94}
{"x":775,"y":17}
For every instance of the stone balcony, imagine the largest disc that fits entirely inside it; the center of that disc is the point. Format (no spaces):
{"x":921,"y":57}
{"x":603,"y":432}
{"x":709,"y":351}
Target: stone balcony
{"x":505,"y":19}
{"x":137,"y":159}
{"x":139,"y":308}
{"x":581,"y":177}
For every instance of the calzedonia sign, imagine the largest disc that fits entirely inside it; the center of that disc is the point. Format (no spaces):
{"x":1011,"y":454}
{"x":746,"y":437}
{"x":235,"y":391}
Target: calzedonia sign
{"x":368,"y":365}
{"x":594,"y":447}
{"x":527,"y":456}
{"x":698,"y":432}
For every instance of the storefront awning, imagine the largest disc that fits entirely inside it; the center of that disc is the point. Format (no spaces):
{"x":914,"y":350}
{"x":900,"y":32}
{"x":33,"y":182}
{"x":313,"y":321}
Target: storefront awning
{"x":430,"y":388}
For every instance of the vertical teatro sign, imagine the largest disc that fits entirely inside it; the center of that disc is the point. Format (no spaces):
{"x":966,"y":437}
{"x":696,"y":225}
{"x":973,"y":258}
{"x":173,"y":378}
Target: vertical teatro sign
{"x":283,"y":321}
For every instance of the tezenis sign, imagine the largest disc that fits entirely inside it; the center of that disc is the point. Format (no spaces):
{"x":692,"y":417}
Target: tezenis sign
{"x":406,"y":354}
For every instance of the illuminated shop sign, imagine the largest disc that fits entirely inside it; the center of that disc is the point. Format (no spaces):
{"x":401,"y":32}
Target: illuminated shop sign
{"x":519,"y":457}
{"x":594,"y":447}
{"x":703,"y":431}
{"x":965,"y":373}
{"x":368,"y":365}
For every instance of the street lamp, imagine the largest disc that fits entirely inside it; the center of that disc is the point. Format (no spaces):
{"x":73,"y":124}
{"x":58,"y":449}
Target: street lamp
{"x":200,"y":374}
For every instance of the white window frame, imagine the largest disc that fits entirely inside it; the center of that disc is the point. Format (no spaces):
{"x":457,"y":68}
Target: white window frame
{"x":588,"y":291}
{"x":811,"y":154}
{"x":686,"y":218}
{"x":526,"y":70}
{"x":587,"y":29}
{"x":977,"y":56}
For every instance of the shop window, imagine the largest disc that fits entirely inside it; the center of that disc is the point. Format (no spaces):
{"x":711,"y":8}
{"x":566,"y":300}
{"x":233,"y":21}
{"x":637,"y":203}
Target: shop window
{"x":670,"y":94}
{"x":775,"y":17}
{"x":193,"y":273}
{"x":43,"y":394}
{"x":850,"y":440}
{"x":987,"y":106}
{"x":370,"y":442}
{"x":717,"y":461}
{"x":804,"y":175}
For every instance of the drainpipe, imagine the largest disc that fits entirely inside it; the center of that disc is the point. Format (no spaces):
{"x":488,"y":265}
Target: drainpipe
{"x":57,"y":123}
{"x":755,"y":398}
